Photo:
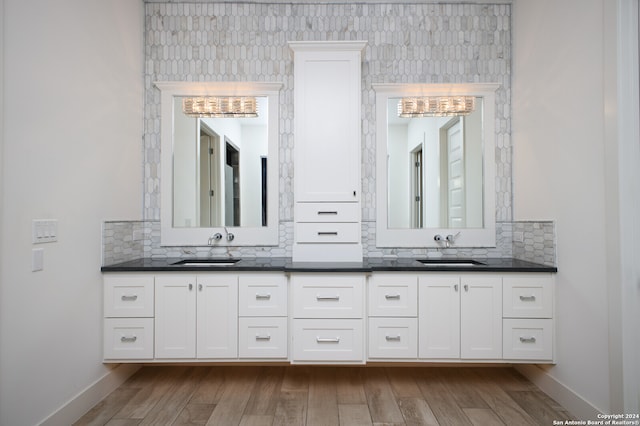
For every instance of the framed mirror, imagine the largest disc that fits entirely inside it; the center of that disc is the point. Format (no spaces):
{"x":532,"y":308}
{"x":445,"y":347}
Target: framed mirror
{"x":219,"y":163}
{"x":435,"y":164}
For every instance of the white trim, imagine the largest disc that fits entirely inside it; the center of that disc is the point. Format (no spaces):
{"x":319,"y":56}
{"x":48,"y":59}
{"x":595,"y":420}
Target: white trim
{"x":93,"y":394}
{"x":339,"y":1}
{"x":244,"y":236}
{"x":468,"y":237}
{"x":566,"y":397}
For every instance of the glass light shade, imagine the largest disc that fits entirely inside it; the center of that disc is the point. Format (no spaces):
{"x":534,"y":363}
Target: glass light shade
{"x":436,"y":106}
{"x":220,"y":106}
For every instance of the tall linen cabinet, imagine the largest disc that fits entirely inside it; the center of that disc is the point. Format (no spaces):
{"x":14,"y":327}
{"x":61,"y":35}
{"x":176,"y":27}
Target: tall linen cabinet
{"x":327,"y":162}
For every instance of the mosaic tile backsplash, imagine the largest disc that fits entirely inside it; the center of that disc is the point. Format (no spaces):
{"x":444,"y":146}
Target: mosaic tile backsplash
{"x":406,"y":43}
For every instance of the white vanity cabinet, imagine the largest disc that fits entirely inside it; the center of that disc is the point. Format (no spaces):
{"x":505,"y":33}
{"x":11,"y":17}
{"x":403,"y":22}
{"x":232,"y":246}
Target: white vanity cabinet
{"x":393,"y":311}
{"x":528,"y":317}
{"x":328,"y":317}
{"x":128,"y":317}
{"x":327,"y":128}
{"x":263,"y":316}
{"x":460,"y":316}
{"x":196,"y":316}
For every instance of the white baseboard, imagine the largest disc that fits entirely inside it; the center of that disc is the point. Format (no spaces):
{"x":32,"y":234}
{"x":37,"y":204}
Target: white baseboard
{"x":571,"y":401}
{"x":94,"y":393}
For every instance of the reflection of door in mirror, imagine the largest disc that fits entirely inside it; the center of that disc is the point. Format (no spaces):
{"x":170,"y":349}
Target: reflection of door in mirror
{"x":232,"y":184}
{"x":452,"y":174}
{"x":209,"y":177}
{"x":416,"y":157}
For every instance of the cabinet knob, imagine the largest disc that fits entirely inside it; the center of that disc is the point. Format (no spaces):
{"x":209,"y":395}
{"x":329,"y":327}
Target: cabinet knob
{"x":466,"y":287}
{"x":190,"y":286}
{"x":455,"y":287}
{"x":200,"y":287}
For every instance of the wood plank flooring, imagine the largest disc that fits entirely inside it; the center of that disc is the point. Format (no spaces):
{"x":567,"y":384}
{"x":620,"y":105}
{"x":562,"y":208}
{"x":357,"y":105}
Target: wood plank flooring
{"x":331,"y":396}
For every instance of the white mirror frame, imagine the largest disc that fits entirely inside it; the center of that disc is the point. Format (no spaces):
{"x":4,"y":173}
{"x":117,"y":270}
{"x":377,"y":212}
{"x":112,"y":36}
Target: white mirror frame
{"x":424,"y":237}
{"x":243,"y":236}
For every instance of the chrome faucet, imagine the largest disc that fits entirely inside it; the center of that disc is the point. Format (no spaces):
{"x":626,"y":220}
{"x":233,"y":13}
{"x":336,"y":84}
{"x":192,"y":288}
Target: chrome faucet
{"x":450,"y":239}
{"x":230,"y":236}
{"x":214,"y":238}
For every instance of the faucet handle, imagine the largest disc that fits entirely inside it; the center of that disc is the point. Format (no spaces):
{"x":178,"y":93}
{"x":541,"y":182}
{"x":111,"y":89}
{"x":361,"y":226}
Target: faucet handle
{"x":437,"y":237}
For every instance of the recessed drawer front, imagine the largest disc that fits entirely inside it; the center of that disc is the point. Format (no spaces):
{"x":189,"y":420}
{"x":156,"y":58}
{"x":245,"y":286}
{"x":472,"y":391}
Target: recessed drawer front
{"x":262,"y":295}
{"x":128,"y":338}
{"x":530,"y":339}
{"x":393,"y":337}
{"x":393,"y":295}
{"x":262,"y":337}
{"x":328,"y":232}
{"x":527,"y":297}
{"x":327,"y":212}
{"x":328,"y":340}
{"x":128,"y":296}
{"x":327,"y":296}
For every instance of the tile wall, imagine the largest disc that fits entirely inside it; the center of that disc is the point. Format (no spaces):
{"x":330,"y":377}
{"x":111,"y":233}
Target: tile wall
{"x":407,"y":43}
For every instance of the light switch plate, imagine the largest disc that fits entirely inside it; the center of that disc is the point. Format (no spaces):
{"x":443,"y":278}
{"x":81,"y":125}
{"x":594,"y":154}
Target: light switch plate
{"x":37,"y":259}
{"x":44,"y":231}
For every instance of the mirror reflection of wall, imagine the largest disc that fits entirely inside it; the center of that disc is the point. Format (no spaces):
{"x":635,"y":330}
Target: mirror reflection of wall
{"x":435,"y":170}
{"x":219,"y":166}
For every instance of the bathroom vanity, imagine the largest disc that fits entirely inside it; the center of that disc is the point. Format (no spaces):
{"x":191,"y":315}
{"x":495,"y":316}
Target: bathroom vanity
{"x":276,"y":310}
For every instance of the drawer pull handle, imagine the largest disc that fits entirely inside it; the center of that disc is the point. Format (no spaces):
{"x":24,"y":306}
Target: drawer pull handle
{"x":528,"y":339}
{"x":327,"y":212}
{"x":455,"y":287}
{"x":327,"y":340}
{"x":128,"y":339}
{"x":328,"y":233}
{"x":129,"y":298}
{"x":466,"y":287}
{"x":264,"y":296}
{"x":334,"y":298}
{"x":531,"y":298}
{"x":392,"y":296}
{"x":259,"y":337}
{"x":392,"y":338}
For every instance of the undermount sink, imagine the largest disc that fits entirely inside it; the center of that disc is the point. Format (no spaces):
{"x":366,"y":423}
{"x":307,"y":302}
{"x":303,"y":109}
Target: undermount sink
{"x":206,"y":262}
{"x":450,"y":262}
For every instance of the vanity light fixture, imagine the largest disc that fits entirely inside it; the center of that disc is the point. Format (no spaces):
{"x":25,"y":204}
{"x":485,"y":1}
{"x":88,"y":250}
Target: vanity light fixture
{"x":436,"y":106}
{"x":221,"y":106}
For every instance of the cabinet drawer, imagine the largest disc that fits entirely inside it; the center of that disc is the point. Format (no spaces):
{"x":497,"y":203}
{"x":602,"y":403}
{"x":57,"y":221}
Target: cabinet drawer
{"x":128,"y":338}
{"x":128,"y":296}
{"x":393,"y":295}
{"x":262,"y":295}
{"x":328,"y":232}
{"x":393,"y":337}
{"x":262,"y":337}
{"x":528,"y":339}
{"x":527,"y":297}
{"x":327,"y":212}
{"x":328,"y":340}
{"x":327,"y":296}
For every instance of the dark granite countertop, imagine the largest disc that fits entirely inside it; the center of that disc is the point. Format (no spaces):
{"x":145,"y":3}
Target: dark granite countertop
{"x":286,"y":264}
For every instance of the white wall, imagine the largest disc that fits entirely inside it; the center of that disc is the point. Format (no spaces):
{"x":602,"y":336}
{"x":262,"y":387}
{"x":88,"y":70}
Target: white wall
{"x":72,"y":151}
{"x":559,"y":174}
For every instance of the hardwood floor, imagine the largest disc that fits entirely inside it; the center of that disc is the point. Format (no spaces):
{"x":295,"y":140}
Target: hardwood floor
{"x":314,"y":396}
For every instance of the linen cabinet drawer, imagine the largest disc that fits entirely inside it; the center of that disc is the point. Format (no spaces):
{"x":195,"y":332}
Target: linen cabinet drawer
{"x":393,"y":295}
{"x":128,"y":338}
{"x":393,"y":337}
{"x":328,"y":340}
{"x":262,"y":295}
{"x":328,"y":232}
{"x":128,"y":296}
{"x":327,"y":212}
{"x":262,"y":337}
{"x":527,"y":297}
{"x":327,"y":296}
{"x":530,"y":339}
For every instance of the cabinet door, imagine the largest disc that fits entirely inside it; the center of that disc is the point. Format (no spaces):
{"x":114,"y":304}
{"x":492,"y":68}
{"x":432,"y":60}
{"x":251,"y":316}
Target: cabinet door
{"x":327,"y":125}
{"x":439,"y":316}
{"x":481,"y":317}
{"x":175,"y":321}
{"x":217,"y":316}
